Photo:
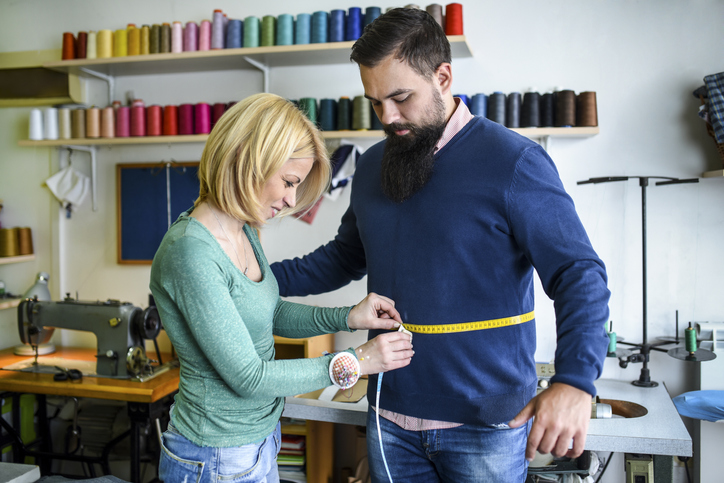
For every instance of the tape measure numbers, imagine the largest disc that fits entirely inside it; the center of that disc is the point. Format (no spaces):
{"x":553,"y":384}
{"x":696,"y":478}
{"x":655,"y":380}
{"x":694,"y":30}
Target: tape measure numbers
{"x":470,"y":326}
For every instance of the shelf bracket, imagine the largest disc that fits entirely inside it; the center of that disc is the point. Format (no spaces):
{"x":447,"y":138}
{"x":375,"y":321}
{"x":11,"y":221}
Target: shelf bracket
{"x":263,"y":68}
{"x":545,"y":142}
{"x":92,"y":151}
{"x":110,"y":80}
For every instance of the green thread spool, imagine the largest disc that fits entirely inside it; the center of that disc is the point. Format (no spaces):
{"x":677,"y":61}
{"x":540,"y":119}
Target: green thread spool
{"x":344,"y":111}
{"x":285,"y":29}
{"x":268,"y":30}
{"x":154,"y":42}
{"x":361,"y":114}
{"x":612,"y":343}
{"x":251,"y":32}
{"x":308,"y":105}
{"x":690,"y":337}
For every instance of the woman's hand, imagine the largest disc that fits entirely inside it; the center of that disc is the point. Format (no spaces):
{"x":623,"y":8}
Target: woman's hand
{"x":374,"y":312}
{"x":385,"y":352}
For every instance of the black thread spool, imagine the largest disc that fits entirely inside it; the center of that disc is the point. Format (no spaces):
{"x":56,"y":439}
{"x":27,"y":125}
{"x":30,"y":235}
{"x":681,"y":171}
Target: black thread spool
{"x":586,"y":111}
{"x":496,"y":107}
{"x":344,"y":114}
{"x":512,"y":111}
{"x":547,"y":110}
{"x":530,"y":115}
{"x":565,"y":109}
{"x":327,"y":114}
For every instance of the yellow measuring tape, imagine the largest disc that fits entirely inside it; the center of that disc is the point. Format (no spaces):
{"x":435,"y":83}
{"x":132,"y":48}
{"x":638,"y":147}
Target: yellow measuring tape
{"x":470,"y":326}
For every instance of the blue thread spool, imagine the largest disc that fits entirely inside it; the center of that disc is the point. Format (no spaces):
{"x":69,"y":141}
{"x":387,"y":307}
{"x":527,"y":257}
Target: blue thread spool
{"x":464,"y":98}
{"x":319,"y":27}
{"x":354,"y":24}
{"x":234,"y":34}
{"x":512,"y":110}
{"x":496,"y":107}
{"x":251,"y":32}
{"x":371,"y":13}
{"x":327,"y":114}
{"x":336,"y":25}
{"x":479,"y":105}
{"x":285,"y":29}
{"x":344,"y":114}
{"x":303,"y":34}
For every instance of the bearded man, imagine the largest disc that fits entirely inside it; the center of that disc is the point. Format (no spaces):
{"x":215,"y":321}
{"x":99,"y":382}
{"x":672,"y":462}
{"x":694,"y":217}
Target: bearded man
{"x":449,"y":217}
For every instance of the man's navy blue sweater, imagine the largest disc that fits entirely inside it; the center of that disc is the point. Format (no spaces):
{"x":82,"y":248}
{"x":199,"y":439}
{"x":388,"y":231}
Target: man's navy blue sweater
{"x":464,"y":249}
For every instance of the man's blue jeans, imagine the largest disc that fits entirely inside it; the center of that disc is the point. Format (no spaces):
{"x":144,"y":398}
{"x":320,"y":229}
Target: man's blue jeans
{"x":465,"y":454}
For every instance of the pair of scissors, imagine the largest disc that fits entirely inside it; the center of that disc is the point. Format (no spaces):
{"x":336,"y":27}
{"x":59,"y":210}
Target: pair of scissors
{"x":65,"y":374}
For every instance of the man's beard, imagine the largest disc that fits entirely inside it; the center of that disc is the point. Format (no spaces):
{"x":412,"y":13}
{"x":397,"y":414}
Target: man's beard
{"x":408,"y":160}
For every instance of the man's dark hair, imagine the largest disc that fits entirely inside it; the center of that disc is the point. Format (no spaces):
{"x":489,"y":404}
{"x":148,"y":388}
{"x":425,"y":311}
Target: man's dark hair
{"x":410,"y":34}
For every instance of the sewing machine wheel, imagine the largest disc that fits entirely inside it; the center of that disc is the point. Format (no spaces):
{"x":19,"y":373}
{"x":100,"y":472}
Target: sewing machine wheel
{"x":147,"y":323}
{"x":136,"y":360}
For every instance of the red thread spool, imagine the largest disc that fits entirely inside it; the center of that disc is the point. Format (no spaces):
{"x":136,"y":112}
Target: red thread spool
{"x":138,"y":118}
{"x":186,"y":119}
{"x":202,"y":118}
{"x":154,"y":121}
{"x":68,"y":46}
{"x":123,"y":122}
{"x":81,"y":45}
{"x":454,"y":19}
{"x":217,"y":111}
{"x":170,"y":120}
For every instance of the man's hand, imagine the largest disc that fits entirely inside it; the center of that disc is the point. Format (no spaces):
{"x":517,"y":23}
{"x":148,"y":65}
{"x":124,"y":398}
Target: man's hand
{"x":374,"y":312}
{"x":562,"y":413}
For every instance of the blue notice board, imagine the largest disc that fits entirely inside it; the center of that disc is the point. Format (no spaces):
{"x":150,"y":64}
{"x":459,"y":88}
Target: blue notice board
{"x":148,"y":195}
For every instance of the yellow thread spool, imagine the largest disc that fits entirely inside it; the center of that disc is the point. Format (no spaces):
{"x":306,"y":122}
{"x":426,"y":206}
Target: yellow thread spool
{"x":134,"y":40}
{"x":104,"y":43}
{"x":120,"y":43}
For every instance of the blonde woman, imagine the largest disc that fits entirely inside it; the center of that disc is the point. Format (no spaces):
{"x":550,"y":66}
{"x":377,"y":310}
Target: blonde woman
{"x":220,"y":304}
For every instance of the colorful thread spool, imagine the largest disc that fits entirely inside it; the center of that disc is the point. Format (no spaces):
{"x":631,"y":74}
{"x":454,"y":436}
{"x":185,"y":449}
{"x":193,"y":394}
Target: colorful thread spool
{"x":690,"y":340}
{"x":68,"y":52}
{"x":138,"y":118}
{"x":336,"y":25}
{"x":91,"y":51}
{"x":251,"y":32}
{"x":586,"y":111}
{"x":177,"y":37}
{"x":205,"y":35}
{"x":120,"y":43}
{"x":186,"y":119}
{"x":202,"y":118}
{"x":327,"y":114}
{"x":134,"y":40}
{"x":81,"y":45}
{"x":191,"y":37}
{"x":454,"y":19}
{"x":371,"y":13}
{"x":123,"y":122}
{"x":308,"y":105}
{"x":165,"y":46}
{"x":285,"y":29}
{"x":9,"y":242}
{"x":154,"y":120}
{"x":145,"y":40}
{"x":170,"y":120}
{"x":155,"y":39}
{"x":64,"y":131}
{"x":108,"y":122}
{"x":25,"y":241}
{"x":93,"y":122}
{"x":435,"y":11}
{"x":217,"y":30}
{"x":353,"y":24}
{"x":344,"y":114}
{"x":77,"y":123}
{"x":303,"y":33}
{"x":319,"y":31}
{"x":234,"y":35}
{"x":104,"y":44}
{"x":268,"y":30}
{"x":479,"y":105}
{"x":361,"y":114}
{"x":217,"y":110}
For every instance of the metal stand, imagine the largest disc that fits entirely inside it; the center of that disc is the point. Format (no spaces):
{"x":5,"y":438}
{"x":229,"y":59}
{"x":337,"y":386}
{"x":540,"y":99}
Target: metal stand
{"x":644,"y":348}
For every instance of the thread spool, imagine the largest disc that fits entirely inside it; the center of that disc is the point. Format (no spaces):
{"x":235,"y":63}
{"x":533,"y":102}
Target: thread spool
{"x":353,"y":27}
{"x":344,"y":114}
{"x":479,"y":105}
{"x":285,"y":29}
{"x":64,"y":123}
{"x":268,"y":30}
{"x":154,"y":120}
{"x":186,"y":119}
{"x":81,"y":45}
{"x":454,"y":19}
{"x":138,"y":118}
{"x":134,"y":40}
{"x":320,"y":34}
{"x":252,"y":36}
{"x":202,"y":118}
{"x":145,"y":40}
{"x":327,"y":114}
{"x":336,"y":25}
{"x":303,"y":33}
{"x":165,"y":45}
{"x":690,"y":339}
{"x":77,"y":123}
{"x":217,"y":30}
{"x":120,"y":43}
{"x":530,"y":113}
{"x":155,"y":39}
{"x":463,"y":97}
{"x":104,"y":44}
{"x":612,"y":343}
{"x":50,"y":123}
{"x":512,"y":110}
{"x":9,"y":242}
{"x":496,"y":107}
{"x":234,"y":36}
{"x":308,"y":105}
{"x":177,"y":37}
{"x":35,"y":126}
{"x":586,"y":111}
{"x":68,"y":52}
{"x":205,"y":35}
{"x":565,"y":110}
{"x":108,"y":122}
{"x":91,"y":51}
{"x":123,"y":122}
{"x":547,"y":110}
{"x":435,"y":11}
{"x":93,"y":122}
{"x":170,"y":120}
{"x":361,"y":114}
{"x":25,"y":241}
{"x":413,"y":5}
{"x":371,"y":13}
{"x":217,"y":110}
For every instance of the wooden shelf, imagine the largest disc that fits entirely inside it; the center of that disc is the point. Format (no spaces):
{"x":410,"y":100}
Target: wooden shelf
{"x":719,"y":173}
{"x":226,"y":59}
{"x":18,"y":259}
{"x":9,"y":303}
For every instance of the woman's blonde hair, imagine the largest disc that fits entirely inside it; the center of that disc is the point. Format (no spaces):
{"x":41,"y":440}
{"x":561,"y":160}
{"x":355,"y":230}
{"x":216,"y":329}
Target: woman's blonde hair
{"x":251,"y":142}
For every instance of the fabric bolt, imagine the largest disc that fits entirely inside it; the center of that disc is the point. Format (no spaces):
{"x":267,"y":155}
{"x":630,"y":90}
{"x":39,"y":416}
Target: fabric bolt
{"x":707,"y":405}
{"x":231,"y":390}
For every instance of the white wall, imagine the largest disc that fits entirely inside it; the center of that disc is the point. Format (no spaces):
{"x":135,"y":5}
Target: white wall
{"x":643,"y":59}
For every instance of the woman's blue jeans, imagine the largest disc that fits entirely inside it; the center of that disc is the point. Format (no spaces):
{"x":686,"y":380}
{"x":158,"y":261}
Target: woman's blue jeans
{"x":465,"y":454}
{"x":184,"y":462}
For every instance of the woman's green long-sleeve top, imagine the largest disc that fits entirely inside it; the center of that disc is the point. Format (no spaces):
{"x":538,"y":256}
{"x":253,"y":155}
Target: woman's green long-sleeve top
{"x":222,"y":324}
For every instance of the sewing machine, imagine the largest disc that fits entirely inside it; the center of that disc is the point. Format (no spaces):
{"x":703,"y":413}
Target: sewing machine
{"x":120,"y":329}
